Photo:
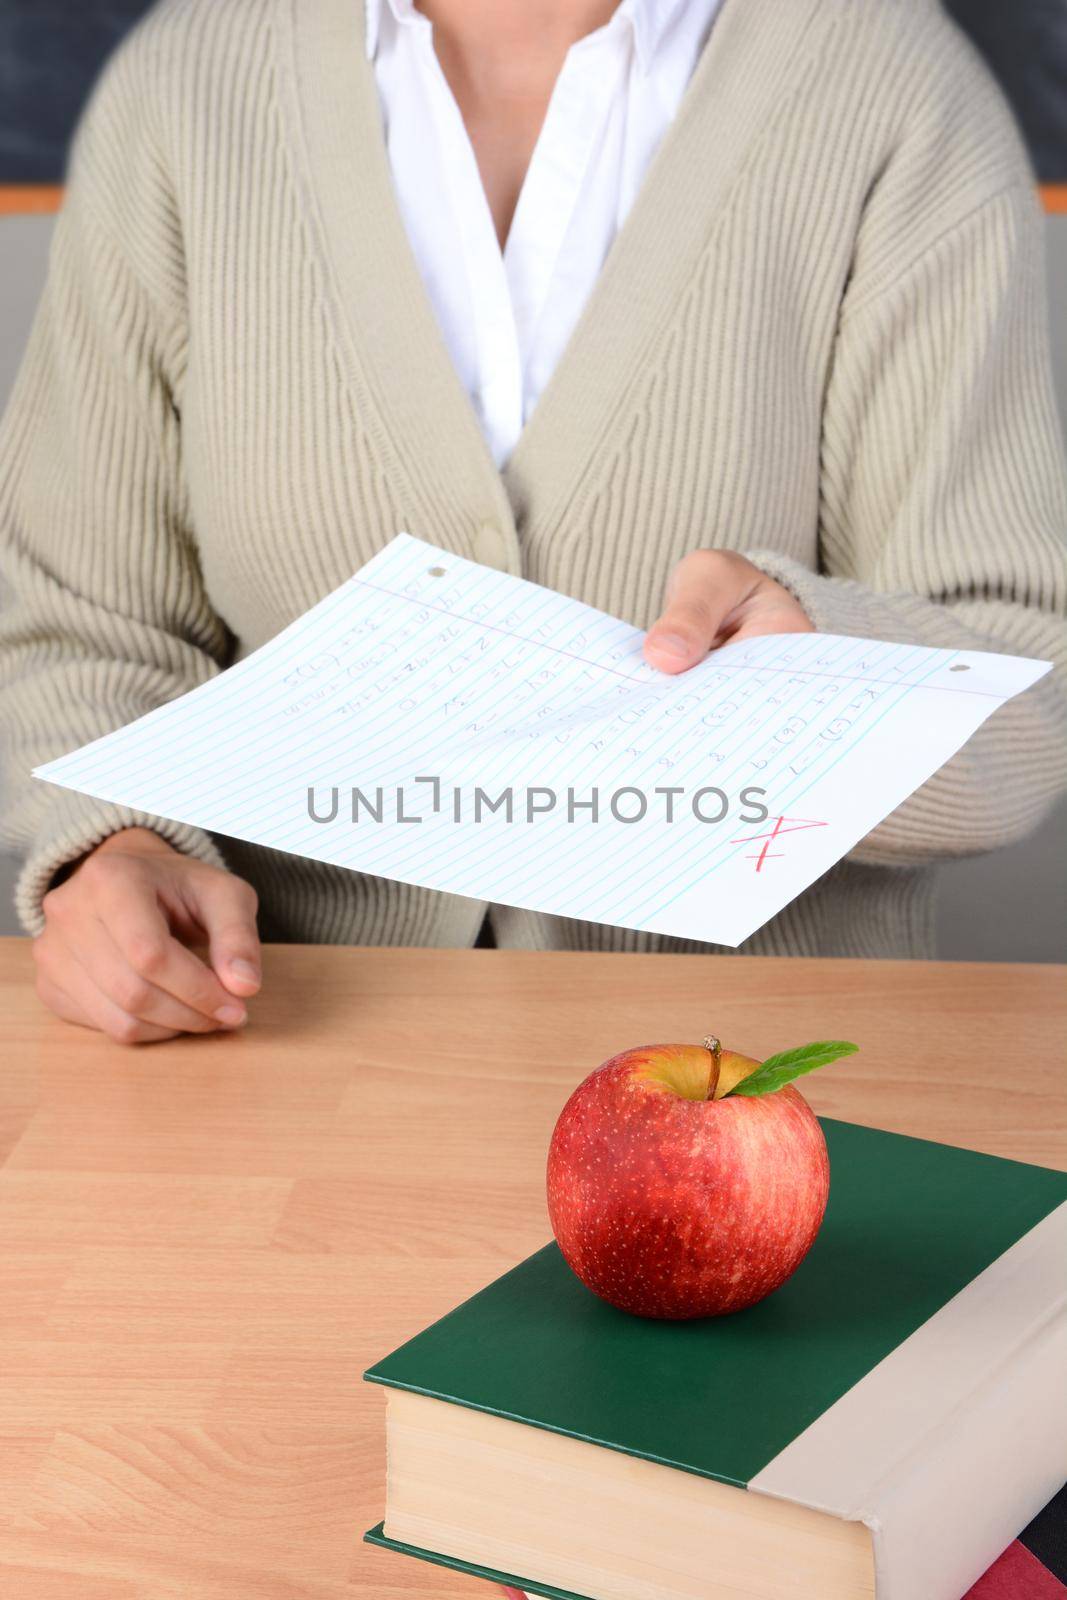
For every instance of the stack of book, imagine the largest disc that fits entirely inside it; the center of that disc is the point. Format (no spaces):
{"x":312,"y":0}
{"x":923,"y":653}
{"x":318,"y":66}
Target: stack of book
{"x":883,"y":1426}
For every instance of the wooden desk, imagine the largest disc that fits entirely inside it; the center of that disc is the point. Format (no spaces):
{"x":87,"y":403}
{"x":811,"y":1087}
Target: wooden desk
{"x":205,"y":1242}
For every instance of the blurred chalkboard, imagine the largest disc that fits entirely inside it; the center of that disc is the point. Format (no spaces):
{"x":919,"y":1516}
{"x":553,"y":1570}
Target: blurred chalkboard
{"x":51,"y":50}
{"x":1025,"y":43}
{"x":50,"y":53}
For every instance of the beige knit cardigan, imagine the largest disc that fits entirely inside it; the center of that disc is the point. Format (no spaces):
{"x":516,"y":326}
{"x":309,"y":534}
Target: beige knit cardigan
{"x":820,"y":339}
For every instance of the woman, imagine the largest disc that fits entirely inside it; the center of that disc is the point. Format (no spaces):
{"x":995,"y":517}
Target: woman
{"x":768,"y":335}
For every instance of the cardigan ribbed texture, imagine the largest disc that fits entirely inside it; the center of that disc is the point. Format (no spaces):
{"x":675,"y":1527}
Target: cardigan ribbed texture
{"x":820,"y":339}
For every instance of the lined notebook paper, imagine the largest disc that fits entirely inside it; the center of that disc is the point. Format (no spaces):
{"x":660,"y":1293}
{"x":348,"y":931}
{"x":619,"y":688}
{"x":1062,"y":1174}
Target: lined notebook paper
{"x":449,"y":725}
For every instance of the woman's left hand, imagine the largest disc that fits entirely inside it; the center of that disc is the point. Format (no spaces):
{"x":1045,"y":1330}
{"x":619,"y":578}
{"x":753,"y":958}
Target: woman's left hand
{"x":715,"y":596}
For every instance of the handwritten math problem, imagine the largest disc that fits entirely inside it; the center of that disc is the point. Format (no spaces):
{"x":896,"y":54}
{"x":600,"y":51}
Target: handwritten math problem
{"x":449,"y":725}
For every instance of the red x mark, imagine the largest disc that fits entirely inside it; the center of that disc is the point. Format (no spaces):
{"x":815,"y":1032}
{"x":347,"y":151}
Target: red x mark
{"x":795,"y":825}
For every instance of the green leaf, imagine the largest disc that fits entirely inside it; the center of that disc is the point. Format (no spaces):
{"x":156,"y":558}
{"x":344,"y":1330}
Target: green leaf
{"x":779,"y":1070}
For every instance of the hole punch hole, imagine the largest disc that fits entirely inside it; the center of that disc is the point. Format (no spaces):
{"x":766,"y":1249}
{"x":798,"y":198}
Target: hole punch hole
{"x":959,"y":668}
{"x":437,"y":572}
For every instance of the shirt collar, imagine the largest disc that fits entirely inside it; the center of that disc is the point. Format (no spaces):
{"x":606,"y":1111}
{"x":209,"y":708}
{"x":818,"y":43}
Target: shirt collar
{"x":649,"y":20}
{"x":403,"y":10}
{"x":372,"y":10}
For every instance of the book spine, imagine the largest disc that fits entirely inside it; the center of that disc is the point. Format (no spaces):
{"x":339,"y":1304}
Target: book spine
{"x":950,"y":1444}
{"x":945,"y":1514}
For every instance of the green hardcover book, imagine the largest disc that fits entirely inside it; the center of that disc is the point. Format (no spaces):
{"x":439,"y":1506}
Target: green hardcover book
{"x":884,"y":1425}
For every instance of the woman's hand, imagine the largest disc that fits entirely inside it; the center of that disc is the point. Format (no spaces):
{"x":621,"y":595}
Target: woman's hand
{"x":114,"y":952}
{"x":715,"y":596}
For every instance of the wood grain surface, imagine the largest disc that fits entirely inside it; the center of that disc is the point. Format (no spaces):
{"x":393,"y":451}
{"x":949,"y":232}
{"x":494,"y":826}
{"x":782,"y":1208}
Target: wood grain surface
{"x":204,"y":1242}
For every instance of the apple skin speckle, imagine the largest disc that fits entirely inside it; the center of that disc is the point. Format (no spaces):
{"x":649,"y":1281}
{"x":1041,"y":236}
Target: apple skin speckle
{"x":677,"y":1208}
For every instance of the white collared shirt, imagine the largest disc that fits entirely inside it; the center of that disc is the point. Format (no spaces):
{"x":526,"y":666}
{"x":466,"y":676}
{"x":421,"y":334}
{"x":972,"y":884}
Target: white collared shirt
{"x":507,"y":316}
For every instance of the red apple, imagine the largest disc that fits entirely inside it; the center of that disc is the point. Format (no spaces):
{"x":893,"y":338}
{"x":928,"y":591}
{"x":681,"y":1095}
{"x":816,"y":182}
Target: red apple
{"x":671,"y":1196}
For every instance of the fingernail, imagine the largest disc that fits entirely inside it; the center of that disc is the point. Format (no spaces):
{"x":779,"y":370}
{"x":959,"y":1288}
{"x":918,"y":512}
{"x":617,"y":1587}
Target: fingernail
{"x":231,"y":1016}
{"x":245,"y":971}
{"x":670,"y":644}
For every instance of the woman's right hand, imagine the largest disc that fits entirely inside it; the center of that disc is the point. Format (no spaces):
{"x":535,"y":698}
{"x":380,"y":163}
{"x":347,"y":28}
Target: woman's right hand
{"x":115,"y":953}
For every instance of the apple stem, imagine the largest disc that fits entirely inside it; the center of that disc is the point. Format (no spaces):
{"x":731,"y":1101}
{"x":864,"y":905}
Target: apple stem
{"x":714,"y":1045}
